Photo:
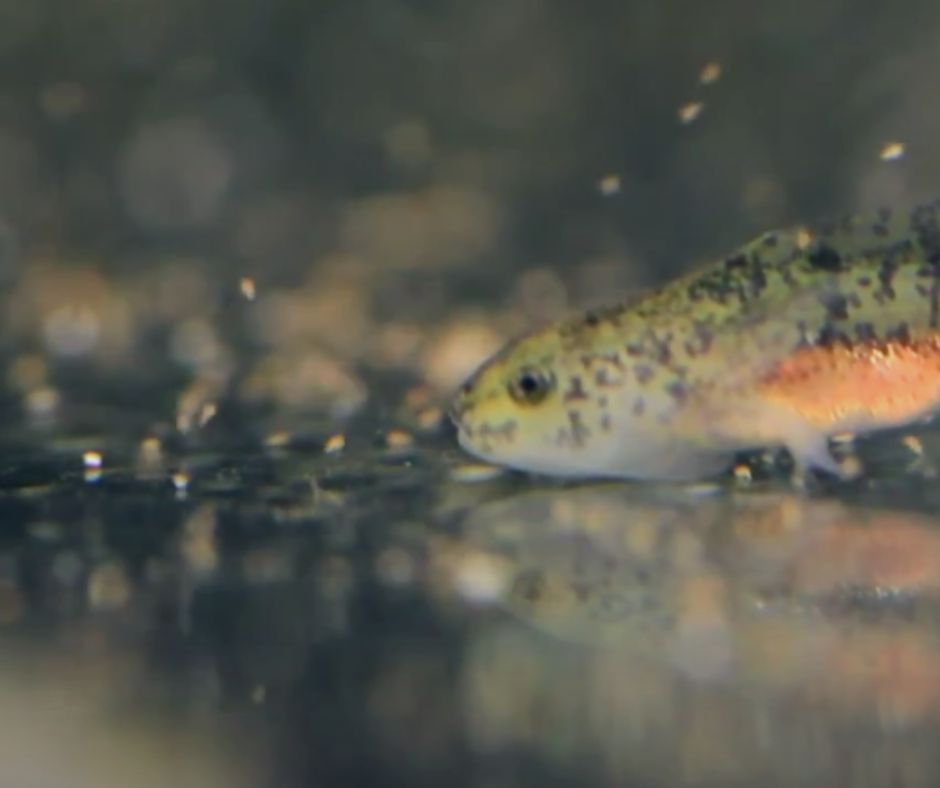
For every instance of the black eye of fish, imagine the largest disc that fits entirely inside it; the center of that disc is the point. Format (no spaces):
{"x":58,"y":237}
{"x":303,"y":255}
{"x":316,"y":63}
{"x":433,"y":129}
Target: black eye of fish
{"x":530,"y":385}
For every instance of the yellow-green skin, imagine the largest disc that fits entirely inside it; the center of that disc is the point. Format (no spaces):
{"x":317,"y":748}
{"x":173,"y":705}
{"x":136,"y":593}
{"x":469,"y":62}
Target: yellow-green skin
{"x":672,"y":386}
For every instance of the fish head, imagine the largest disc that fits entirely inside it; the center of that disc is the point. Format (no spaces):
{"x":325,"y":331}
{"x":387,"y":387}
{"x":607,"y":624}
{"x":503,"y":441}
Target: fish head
{"x":536,"y":407}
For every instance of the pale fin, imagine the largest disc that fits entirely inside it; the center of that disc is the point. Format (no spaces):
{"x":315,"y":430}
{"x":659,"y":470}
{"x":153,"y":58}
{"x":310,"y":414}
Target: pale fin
{"x":810,"y":451}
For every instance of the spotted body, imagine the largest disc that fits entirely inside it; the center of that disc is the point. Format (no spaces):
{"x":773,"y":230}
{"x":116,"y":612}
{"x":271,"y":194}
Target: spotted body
{"x":797,"y":336}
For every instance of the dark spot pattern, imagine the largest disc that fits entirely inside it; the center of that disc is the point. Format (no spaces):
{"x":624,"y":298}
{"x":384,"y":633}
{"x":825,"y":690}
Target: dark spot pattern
{"x":579,"y":432}
{"x":899,"y":333}
{"x":836,"y":305}
{"x":678,"y":391}
{"x":861,"y":277}
{"x":575,"y":391}
{"x":822,"y":256}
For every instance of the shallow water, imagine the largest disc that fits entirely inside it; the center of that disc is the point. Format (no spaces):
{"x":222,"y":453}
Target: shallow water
{"x":247,"y":253}
{"x":382,"y":616}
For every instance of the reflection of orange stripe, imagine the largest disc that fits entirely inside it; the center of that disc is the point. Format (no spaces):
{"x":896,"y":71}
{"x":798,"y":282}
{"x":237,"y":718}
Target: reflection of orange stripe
{"x":887,"y":381}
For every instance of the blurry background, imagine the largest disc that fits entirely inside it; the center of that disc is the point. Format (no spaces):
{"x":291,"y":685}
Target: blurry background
{"x":397,"y":184}
{"x":235,"y":234}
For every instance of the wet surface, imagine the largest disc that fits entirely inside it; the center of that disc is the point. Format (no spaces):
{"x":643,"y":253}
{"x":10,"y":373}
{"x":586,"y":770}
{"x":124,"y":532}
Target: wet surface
{"x":285,"y":615}
{"x":248,"y":252}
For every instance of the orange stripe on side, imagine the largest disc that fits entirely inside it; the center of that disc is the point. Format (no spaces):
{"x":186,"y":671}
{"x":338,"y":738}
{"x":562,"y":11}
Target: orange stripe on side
{"x":872,"y":383}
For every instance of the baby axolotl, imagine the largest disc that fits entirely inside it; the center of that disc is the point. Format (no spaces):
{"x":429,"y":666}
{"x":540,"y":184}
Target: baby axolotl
{"x":797,"y":336}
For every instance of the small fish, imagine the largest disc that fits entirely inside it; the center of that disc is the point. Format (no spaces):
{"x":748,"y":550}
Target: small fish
{"x":793,"y":338}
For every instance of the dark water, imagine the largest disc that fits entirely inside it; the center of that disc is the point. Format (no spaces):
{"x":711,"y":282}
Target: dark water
{"x":246,"y":252}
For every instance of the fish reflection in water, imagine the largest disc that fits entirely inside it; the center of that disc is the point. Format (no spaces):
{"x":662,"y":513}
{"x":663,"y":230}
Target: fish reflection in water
{"x":710,"y":635}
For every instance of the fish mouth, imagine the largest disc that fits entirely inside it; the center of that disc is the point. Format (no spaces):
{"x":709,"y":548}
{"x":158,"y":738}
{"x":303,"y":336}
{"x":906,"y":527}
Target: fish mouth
{"x":459,"y":413}
{"x":464,"y":429}
{"x":458,"y":410}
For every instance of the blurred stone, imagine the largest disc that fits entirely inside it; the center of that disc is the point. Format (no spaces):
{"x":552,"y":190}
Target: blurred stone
{"x":399,"y":440}
{"x":332,"y":310}
{"x":440,"y":226}
{"x":75,"y":309}
{"x":27,"y":372}
{"x":456,"y":350}
{"x":174,"y":174}
{"x":195,"y":344}
{"x":309,"y":380}
{"x":109,"y":587}
{"x":198,"y":543}
{"x":150,"y":460}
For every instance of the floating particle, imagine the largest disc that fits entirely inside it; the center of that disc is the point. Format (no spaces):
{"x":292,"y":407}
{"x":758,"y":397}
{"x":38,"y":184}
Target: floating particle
{"x":278,"y":440}
{"x":742,"y":473}
{"x":710,"y":73}
{"x":191,"y":403}
{"x":803,"y":238}
{"x":335,"y":444}
{"x":207,"y":412}
{"x":180,"y":481}
{"x":92,"y":459}
{"x":690,"y":112}
{"x":398,"y":439}
{"x":892,"y":151}
{"x":259,"y":694}
{"x":913,"y":444}
{"x":249,"y":290}
{"x":608,"y":185}
{"x":471,"y":473}
{"x":430,"y":418}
